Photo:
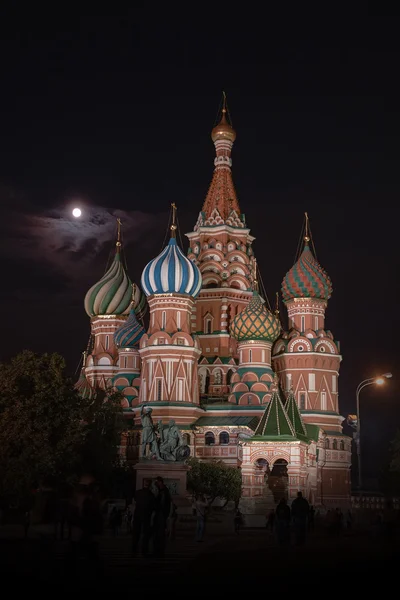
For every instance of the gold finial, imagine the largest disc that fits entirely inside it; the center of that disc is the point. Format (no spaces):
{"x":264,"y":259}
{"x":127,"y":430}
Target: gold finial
{"x":173,"y":224}
{"x":133,"y":291}
{"x":254,"y":275}
{"x":118,"y":244}
{"x":223,"y":103}
{"x":277,"y":305}
{"x":306,"y":237}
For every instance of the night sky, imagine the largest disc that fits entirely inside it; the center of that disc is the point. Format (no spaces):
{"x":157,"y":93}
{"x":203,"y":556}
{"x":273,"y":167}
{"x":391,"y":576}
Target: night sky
{"x":114,"y":114}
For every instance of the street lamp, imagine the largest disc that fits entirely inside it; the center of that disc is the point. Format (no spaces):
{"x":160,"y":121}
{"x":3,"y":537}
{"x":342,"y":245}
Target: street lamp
{"x":380,"y":380}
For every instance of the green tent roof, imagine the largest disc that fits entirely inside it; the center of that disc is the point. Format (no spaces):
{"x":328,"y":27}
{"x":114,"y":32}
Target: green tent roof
{"x":275,"y":421}
{"x":294,"y":414}
{"x":222,"y":421}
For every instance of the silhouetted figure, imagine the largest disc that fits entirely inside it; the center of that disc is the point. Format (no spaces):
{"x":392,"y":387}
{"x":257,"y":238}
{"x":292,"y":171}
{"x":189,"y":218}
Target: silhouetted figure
{"x":162,"y":512}
{"x":349,"y":520}
{"x":300,"y":511}
{"x":283,"y":522}
{"x":238,"y":521}
{"x":141,"y":523}
{"x":201,"y":509}
{"x":270,"y":521}
{"x":338,"y":521}
{"x":172,"y":522}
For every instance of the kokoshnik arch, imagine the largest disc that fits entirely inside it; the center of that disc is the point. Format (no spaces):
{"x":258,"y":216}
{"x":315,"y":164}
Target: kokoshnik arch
{"x":216,"y":360}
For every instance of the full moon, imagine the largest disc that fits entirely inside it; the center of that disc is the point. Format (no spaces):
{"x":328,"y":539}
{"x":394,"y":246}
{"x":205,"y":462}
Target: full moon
{"x":77,"y":212}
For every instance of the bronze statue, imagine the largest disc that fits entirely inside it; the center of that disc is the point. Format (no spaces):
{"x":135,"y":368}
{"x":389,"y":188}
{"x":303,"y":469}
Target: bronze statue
{"x":166,"y":443}
{"x":149,"y":437}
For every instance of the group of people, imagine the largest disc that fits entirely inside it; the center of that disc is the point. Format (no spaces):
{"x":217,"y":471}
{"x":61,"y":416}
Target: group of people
{"x":153,"y":519}
{"x":298,"y":516}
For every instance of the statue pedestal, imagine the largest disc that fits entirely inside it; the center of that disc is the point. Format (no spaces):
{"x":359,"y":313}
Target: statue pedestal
{"x":174,"y":475}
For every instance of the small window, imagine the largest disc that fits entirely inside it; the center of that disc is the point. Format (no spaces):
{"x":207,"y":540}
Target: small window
{"x":209,"y":438}
{"x":208,"y":326}
{"x":316,"y":324}
{"x":163,"y":319}
{"x":303,"y":323}
{"x":302,"y":401}
{"x":107,"y":342}
{"x":327,"y":444}
{"x":178,"y":319}
{"x":334,"y":445}
{"x":224,"y":437}
{"x":323,"y":400}
{"x":159,"y":388}
{"x":341,"y":445}
{"x":181,"y":342}
{"x":250,"y":356}
{"x":322,"y":349}
{"x":300,"y":348}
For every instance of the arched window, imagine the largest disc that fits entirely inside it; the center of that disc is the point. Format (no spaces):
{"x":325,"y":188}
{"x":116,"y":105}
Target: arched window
{"x":159,"y":384}
{"x":303,"y":323}
{"x":250,"y":356}
{"x":186,"y":439}
{"x":327,"y":444}
{"x":334,"y":445}
{"x":341,"y":445}
{"x":209,"y":438}
{"x":163,"y":319}
{"x":208,"y":326}
{"x":224,"y":437}
{"x":178,"y":319}
{"x":302,"y":401}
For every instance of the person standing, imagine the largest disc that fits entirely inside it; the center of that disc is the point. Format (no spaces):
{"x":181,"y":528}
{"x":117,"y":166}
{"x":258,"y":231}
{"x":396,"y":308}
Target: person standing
{"x":238,"y":521}
{"x":300,"y":510}
{"x":270,"y":521}
{"x":201,"y":508}
{"x":283,"y":522}
{"x":141,"y":522}
{"x":162,"y":512}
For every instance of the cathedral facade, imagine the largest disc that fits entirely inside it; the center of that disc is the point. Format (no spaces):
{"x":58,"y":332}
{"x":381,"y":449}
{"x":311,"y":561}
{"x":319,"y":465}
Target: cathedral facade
{"x":217,"y":361}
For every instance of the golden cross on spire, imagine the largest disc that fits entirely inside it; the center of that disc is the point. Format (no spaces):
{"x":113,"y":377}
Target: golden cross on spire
{"x":223,"y":102}
{"x":277,"y":305}
{"x":254,"y":275}
{"x":119,"y":233}
{"x":173,"y":224}
{"x":306,"y":237}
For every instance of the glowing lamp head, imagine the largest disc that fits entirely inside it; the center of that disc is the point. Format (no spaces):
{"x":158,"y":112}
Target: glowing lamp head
{"x":380,"y":381}
{"x":77,"y":212}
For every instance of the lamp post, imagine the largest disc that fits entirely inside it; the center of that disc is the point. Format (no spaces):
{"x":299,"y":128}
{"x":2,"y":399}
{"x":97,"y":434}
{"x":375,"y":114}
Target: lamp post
{"x":380,"y":380}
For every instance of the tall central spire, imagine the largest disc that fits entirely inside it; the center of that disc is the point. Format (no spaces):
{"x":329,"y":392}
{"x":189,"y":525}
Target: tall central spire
{"x":221,"y":204}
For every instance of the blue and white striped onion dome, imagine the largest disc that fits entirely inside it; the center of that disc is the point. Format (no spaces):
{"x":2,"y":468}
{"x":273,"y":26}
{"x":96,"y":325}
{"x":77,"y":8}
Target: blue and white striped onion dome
{"x":130,"y":332}
{"x":112,"y":295}
{"x":171,"y":273}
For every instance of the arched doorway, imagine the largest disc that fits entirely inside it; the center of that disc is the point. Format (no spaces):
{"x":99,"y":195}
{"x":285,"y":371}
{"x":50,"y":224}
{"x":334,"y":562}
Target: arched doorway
{"x":278,"y":479}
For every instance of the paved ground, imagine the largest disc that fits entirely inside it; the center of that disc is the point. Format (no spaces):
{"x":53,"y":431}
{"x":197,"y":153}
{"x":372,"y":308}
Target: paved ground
{"x":229,"y":561}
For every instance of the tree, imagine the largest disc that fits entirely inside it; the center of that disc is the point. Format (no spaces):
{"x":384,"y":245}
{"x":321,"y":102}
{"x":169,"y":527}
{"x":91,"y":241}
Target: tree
{"x":214,"y":479}
{"x":48,"y":433}
{"x":41,"y":429}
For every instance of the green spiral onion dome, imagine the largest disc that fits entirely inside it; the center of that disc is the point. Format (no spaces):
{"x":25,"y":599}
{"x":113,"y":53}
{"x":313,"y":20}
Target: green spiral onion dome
{"x":306,"y":279}
{"x":83,"y":387}
{"x":255,"y":322}
{"x":112,"y":295}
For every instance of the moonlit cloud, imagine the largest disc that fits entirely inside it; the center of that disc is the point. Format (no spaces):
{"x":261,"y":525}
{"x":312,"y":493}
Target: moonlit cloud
{"x":71,"y":245}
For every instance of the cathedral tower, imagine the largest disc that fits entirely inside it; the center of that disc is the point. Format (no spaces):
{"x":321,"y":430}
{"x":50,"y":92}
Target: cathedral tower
{"x":169,"y":352}
{"x":307,"y":357}
{"x":108,"y":303}
{"x":221,"y":247}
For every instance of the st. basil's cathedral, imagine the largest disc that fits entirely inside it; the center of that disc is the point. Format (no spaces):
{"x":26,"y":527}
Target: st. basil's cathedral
{"x":216,"y":360}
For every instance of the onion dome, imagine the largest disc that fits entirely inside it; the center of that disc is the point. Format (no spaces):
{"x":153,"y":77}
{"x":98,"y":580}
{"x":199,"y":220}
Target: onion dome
{"x":83,"y":387}
{"x":255,"y":322}
{"x":130,"y":332}
{"x":306,"y":279}
{"x":223,"y":131}
{"x":171,"y":273}
{"x":112,"y":295}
